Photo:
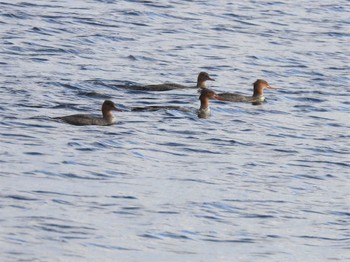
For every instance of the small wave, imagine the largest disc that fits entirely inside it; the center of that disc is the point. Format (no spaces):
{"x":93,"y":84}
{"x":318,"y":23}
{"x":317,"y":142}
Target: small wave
{"x":21,"y":197}
{"x":124,"y":197}
{"x":241,"y":240}
{"x":109,"y":247}
{"x":309,"y":177}
{"x":164,"y":235}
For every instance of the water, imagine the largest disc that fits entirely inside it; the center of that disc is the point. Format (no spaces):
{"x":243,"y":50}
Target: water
{"x":250,"y":183}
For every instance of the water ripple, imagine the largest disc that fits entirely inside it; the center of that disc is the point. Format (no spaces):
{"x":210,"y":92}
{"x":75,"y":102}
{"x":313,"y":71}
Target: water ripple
{"x":164,"y":184}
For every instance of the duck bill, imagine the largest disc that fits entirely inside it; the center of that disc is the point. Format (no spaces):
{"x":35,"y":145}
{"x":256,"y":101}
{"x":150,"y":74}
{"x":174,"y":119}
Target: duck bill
{"x":117,"y":109}
{"x":211,"y":79}
{"x":272,"y":88}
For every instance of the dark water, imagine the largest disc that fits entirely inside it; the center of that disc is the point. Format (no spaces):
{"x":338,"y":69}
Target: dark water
{"x":250,"y":183}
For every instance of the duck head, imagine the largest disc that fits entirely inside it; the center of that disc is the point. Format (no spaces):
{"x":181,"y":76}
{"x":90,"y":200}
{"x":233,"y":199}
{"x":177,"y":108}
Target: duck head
{"x":107,"y":107}
{"x":259,"y":86}
{"x":202,"y":78}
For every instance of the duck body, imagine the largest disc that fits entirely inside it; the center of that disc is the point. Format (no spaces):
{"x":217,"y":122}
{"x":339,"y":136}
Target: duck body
{"x":159,"y":87}
{"x":257,"y":97}
{"x":158,"y":108}
{"x":84,"y":119}
{"x":241,"y":98}
{"x":203,"y":113}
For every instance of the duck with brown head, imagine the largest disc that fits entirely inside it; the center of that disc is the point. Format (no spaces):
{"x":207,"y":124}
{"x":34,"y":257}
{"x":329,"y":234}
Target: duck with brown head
{"x":257,"y":97}
{"x":83,"y":119}
{"x":201,"y":83}
{"x":205,"y":96}
{"x":203,"y":111}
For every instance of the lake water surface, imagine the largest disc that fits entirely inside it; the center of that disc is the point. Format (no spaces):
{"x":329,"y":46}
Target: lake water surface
{"x":250,"y":183}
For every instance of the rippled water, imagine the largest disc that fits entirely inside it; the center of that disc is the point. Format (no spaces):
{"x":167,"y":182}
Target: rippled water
{"x":250,"y":183}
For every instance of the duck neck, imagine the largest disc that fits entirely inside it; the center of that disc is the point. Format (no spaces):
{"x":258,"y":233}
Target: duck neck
{"x":258,"y":91}
{"x":204,"y":104}
{"x":107,"y":114}
{"x":201,"y":84}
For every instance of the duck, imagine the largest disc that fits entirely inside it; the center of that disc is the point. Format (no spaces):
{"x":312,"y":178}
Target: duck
{"x":205,"y":95}
{"x":257,"y":97}
{"x":203,"y":111}
{"x":201,"y":83}
{"x":83,"y":119}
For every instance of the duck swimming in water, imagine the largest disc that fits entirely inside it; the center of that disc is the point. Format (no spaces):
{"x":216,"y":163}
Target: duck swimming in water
{"x":202,"y":112}
{"x":257,"y":97}
{"x":201,"y":83}
{"x":83,"y":119}
{"x":205,"y":96}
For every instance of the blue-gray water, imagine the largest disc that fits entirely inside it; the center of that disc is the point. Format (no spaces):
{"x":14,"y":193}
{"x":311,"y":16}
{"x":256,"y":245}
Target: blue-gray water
{"x":250,"y":183}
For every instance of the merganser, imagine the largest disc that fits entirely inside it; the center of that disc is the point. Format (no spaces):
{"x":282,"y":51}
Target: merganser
{"x":258,"y":95}
{"x":204,"y":109}
{"x":83,"y":119}
{"x":201,"y":83}
{"x":202,"y":112}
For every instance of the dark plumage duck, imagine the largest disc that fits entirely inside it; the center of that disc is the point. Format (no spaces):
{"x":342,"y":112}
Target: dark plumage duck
{"x":203,"y":111}
{"x":201,"y":83}
{"x":258,"y":93}
{"x":83,"y":119}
